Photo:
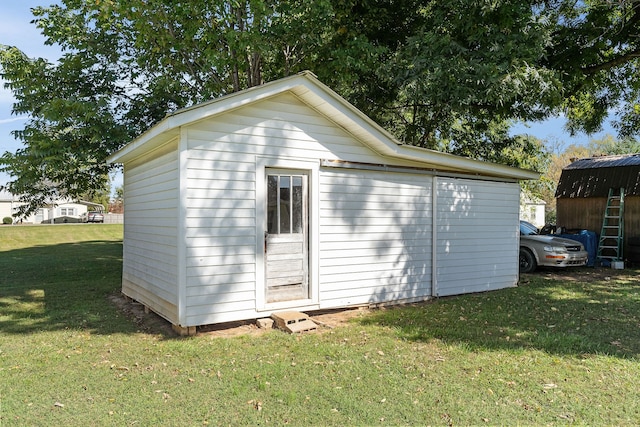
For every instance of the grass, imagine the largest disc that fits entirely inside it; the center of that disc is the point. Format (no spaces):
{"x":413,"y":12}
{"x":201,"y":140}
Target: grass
{"x":551,"y":351}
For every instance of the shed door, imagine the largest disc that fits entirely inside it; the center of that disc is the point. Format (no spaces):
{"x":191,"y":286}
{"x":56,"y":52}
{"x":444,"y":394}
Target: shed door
{"x":286,"y":238}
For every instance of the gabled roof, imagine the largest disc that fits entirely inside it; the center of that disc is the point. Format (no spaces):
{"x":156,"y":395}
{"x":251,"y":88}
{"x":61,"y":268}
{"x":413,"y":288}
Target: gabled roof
{"x":326,"y":102}
{"x":594,"y":176}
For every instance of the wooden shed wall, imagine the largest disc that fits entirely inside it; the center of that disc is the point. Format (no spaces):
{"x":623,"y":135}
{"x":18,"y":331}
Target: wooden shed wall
{"x":222,"y":269}
{"x":150,"y":267}
{"x":477,"y":235}
{"x":587,"y":213}
{"x":373,"y":231}
{"x":197,"y":260}
{"x":375,"y":237}
{"x":223,"y":153}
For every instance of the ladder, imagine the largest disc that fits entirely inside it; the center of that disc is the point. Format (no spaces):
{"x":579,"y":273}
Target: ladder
{"x":612,"y":234}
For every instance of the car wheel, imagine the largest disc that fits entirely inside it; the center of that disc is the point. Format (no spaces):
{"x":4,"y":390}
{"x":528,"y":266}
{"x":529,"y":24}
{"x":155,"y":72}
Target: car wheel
{"x":527,"y":261}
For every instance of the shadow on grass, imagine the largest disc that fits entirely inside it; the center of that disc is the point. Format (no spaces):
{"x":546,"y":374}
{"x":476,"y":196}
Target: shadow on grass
{"x":551,"y":313}
{"x":63,"y":286}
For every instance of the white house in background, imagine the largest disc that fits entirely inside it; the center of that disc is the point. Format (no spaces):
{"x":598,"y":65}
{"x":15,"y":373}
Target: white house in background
{"x":286,"y":197}
{"x":62,"y":212}
{"x":9,"y":205}
{"x":532,"y":209}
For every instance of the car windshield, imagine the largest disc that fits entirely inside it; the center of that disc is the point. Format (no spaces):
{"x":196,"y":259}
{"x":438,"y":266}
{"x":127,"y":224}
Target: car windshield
{"x":527,"y":229}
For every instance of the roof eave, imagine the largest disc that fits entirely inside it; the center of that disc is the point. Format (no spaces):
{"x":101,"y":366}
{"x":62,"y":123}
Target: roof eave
{"x":383,"y":142}
{"x":173,"y":121}
{"x":327,"y":102}
{"x":466,"y":164}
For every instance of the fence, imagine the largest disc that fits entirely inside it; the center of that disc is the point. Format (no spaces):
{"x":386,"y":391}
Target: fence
{"x":111,"y":218}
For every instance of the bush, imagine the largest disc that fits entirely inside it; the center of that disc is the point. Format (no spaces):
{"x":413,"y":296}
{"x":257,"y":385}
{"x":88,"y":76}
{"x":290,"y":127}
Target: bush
{"x":7,"y":220}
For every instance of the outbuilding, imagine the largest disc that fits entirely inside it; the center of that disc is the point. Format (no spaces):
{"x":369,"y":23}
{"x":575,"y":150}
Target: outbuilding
{"x":583,"y":190}
{"x":286,"y":197}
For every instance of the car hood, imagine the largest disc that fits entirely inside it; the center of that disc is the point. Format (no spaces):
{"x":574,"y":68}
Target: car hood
{"x":549,"y":239}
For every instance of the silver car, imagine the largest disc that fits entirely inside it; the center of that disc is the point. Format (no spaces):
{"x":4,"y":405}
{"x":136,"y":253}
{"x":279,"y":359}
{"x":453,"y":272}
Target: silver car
{"x":548,"y":250}
{"x":92,"y":216}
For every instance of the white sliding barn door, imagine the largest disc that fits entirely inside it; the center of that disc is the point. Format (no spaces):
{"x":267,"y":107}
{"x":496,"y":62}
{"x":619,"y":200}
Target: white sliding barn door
{"x":286,"y":237}
{"x":477,"y":235}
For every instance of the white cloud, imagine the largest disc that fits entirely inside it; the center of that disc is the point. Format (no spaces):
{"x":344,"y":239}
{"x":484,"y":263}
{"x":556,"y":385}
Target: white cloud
{"x":13,"y":119}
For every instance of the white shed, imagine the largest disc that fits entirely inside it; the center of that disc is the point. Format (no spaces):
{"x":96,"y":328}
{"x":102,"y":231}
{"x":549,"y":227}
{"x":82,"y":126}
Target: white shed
{"x":286,"y":197}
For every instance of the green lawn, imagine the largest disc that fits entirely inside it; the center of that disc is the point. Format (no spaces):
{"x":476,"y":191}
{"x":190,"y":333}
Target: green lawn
{"x":551,"y":351}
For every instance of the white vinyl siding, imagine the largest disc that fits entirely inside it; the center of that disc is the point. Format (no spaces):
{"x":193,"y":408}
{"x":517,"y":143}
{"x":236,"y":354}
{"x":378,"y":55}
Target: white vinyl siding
{"x":477,"y":235}
{"x":280,"y":127}
{"x":195,"y":206}
{"x":150,"y":273}
{"x":221,"y":196}
{"x":375,"y":238}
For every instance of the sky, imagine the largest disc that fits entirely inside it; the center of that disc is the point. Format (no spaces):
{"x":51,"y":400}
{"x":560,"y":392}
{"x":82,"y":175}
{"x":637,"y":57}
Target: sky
{"x":16,"y":30}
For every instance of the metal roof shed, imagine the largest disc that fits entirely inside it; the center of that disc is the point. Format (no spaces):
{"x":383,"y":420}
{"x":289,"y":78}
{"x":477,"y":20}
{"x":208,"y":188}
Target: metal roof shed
{"x":583,"y":189}
{"x":286,"y":197}
{"x":593,"y":176}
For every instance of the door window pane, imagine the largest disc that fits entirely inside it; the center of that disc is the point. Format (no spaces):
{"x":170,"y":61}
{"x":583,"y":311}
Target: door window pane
{"x":297,"y":204}
{"x":285,"y":205}
{"x":272,"y":204}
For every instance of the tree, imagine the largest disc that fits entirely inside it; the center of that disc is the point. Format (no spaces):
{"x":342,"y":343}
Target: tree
{"x":473,"y":64}
{"x":101,"y":196}
{"x":73,"y":127}
{"x":468,"y":68}
{"x":608,"y":146}
{"x":444,"y":75}
{"x":594,"y":49}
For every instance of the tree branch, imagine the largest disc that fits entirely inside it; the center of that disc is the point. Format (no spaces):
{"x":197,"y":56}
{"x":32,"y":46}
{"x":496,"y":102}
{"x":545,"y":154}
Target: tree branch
{"x":615,"y":62}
